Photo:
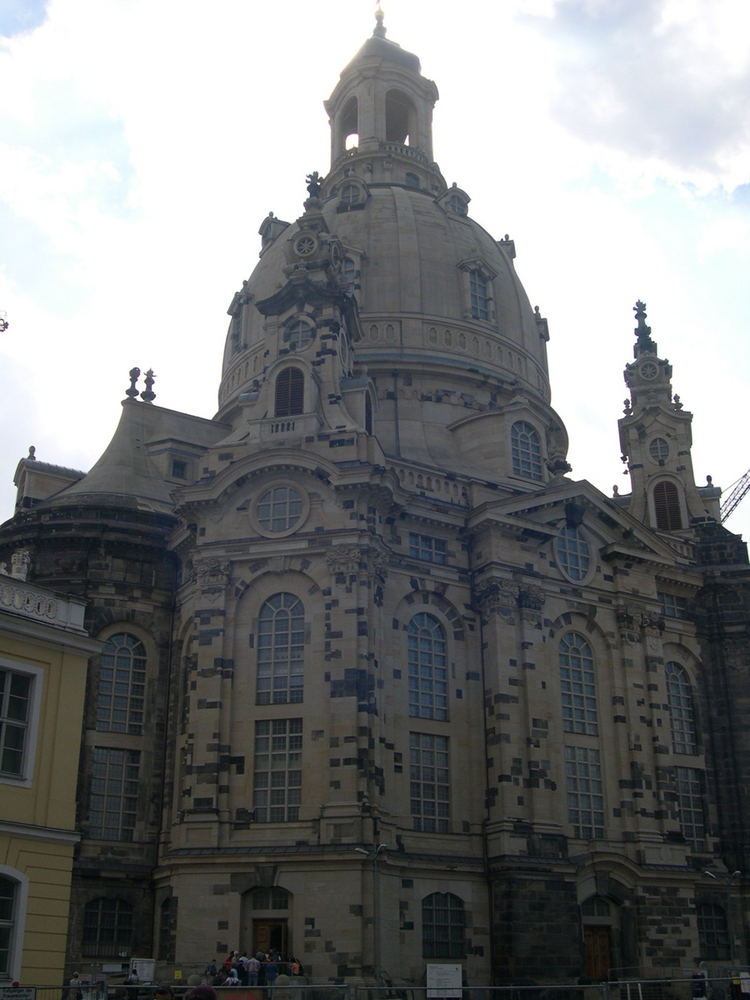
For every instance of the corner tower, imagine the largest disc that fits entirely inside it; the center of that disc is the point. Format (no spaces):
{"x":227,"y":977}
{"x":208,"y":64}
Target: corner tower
{"x":656,"y":438}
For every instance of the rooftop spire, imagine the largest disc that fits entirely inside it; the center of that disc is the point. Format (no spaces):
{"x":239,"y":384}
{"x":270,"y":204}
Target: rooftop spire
{"x":379,"y":30}
{"x":644,"y":344}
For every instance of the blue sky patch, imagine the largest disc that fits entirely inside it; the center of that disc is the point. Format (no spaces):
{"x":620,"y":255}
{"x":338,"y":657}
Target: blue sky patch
{"x":19,"y":16}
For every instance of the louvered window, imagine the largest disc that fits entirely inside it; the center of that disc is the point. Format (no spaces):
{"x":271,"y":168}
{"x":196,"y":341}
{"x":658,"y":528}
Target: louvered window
{"x":667,"y":507}
{"x":290,"y":392}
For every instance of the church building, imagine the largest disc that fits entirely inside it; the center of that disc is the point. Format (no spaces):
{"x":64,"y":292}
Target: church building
{"x":381,"y":683}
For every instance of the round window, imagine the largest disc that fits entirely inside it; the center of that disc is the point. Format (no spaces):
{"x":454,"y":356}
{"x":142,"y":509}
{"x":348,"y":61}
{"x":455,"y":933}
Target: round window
{"x":298,"y":334}
{"x":279,"y":509}
{"x":305,"y":245}
{"x":658,"y":449}
{"x":573,"y":553}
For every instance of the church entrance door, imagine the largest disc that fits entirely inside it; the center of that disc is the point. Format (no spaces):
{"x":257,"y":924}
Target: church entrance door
{"x":270,"y":935}
{"x":597,"y":952}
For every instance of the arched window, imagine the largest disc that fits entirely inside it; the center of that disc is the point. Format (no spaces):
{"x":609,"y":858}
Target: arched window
{"x":167,"y":928}
{"x":479,"y":295}
{"x":290,"y":393}
{"x":682,"y":717}
{"x":107,"y":928}
{"x":400,"y":117}
{"x":281,"y":644}
{"x":667,"y":506}
{"x":442,"y":926}
{"x":122,"y":685}
{"x":713,"y":932}
{"x":428,"y":674}
{"x":573,"y":553}
{"x":526,"y":450}
{"x":349,"y":124}
{"x":577,"y":685}
{"x":350,"y":194}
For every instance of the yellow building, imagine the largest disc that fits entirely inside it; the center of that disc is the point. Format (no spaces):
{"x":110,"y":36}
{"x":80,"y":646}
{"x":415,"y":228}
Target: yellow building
{"x":44,"y":651}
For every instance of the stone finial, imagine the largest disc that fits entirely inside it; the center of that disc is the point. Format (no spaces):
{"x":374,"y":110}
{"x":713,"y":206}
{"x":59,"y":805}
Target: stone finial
{"x":135,"y":374}
{"x":32,"y":454}
{"x":148,"y":395}
{"x":644,"y":344}
{"x":379,"y":30}
{"x":20,"y":562}
{"x":628,"y":407}
{"x":677,"y":402}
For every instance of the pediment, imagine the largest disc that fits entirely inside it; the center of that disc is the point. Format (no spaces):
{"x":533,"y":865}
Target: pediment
{"x":543,"y":513}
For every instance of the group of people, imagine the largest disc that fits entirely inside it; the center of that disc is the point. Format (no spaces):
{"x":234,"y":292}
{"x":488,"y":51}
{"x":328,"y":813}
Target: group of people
{"x":260,"y":969}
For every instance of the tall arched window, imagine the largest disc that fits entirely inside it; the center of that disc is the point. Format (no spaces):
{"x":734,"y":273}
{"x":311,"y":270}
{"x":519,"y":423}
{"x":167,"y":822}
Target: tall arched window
{"x":577,"y":685}
{"x":682,"y":716}
{"x":290,"y":393}
{"x":526,"y":450}
{"x":442,"y":926}
{"x":281,"y":644}
{"x":107,"y":927}
{"x":122,"y":685}
{"x":573,"y":553}
{"x":428,"y":674}
{"x":667,"y":506}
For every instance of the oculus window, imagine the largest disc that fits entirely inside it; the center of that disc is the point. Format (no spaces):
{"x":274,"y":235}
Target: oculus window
{"x":279,"y":509}
{"x":573,"y":553}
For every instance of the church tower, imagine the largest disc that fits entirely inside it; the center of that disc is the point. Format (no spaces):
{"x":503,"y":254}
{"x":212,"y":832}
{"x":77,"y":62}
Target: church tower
{"x":382,"y":685}
{"x":655,"y":437}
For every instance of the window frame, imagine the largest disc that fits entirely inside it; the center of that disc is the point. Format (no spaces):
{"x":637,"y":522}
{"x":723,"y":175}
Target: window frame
{"x":269,"y":666}
{"x":575,"y":562}
{"x":428,"y":690}
{"x":131,"y":726}
{"x":450,"y":946}
{"x":17,"y":923}
{"x":526,"y":449}
{"x":110,"y":791}
{"x":95,"y":949}
{"x":289,"y":392}
{"x":577,"y":684}
{"x":427,"y":548}
{"x":293,"y":737}
{"x":682,"y":719}
{"x":690,"y":787}
{"x":25,"y":775}
{"x":583,"y":816}
{"x":420,"y":781}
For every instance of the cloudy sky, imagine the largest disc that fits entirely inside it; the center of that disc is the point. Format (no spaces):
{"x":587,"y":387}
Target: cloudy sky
{"x":142,"y":142}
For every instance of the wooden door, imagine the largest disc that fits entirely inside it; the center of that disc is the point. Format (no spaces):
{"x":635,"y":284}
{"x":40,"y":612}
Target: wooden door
{"x":270,"y":935}
{"x":597,"y":952}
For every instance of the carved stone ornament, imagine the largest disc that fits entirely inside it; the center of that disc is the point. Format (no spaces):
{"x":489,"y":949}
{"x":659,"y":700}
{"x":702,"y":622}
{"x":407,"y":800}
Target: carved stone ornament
{"x":343,"y":559}
{"x":497,"y":597}
{"x":531,"y":597}
{"x":212,"y":573}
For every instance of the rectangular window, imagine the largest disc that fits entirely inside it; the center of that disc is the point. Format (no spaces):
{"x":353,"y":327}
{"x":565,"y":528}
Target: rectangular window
{"x":114,"y":794}
{"x":690,"y":797}
{"x":179,"y":469}
{"x":15,"y":715}
{"x":426,"y":548}
{"x":429,"y":782}
{"x":277,"y":774}
{"x":584,"y":785}
{"x":673,"y":606}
